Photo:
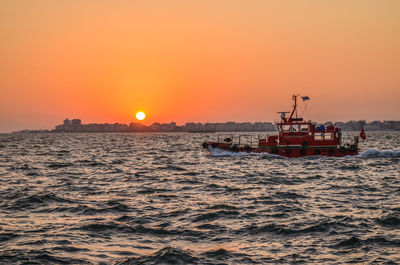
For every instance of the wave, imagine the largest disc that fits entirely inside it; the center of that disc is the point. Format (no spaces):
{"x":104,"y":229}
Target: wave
{"x":355,"y":242}
{"x":90,"y":210}
{"x":108,"y":228}
{"x":18,"y":256}
{"x":216,"y":215}
{"x":349,"y":243}
{"x":175,"y":255}
{"x":217,"y":152}
{"x":167,"y":255}
{"x":370,"y":153}
{"x":224,"y":255}
{"x":373,"y":153}
{"x":278,"y":229}
{"x":7,"y":236}
{"x":223,"y":207}
{"x":35,"y":200}
{"x":289,"y":195}
{"x":56,"y":165}
{"x":389,"y":221}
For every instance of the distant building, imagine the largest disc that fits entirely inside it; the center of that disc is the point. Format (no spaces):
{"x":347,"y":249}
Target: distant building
{"x":76,"y":122}
{"x":60,"y":128}
{"x":76,"y":125}
{"x":67,"y":122}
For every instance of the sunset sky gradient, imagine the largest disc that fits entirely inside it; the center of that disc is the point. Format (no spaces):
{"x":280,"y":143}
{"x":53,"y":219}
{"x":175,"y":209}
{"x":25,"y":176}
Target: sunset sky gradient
{"x":201,"y":61}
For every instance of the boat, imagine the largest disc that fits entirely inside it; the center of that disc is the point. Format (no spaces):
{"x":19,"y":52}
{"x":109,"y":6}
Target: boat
{"x":296,"y":138}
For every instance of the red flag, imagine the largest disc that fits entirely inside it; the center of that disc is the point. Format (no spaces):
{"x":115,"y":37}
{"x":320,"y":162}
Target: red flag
{"x":362,"y":134}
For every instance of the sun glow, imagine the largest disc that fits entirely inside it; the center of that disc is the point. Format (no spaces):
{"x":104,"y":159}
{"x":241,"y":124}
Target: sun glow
{"x":140,"y":116}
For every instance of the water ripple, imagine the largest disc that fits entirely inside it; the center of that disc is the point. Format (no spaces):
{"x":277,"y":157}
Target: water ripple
{"x":159,"y":199}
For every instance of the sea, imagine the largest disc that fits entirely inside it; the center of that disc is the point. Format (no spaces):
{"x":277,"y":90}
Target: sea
{"x":159,"y":198}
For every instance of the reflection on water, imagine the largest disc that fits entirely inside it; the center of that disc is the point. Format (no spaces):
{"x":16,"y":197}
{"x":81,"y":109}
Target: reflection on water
{"x":159,"y":198}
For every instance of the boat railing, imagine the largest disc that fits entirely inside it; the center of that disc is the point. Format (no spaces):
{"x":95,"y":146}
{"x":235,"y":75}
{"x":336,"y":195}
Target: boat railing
{"x":241,"y":140}
{"x":245,"y":139}
{"x":263,"y":136}
{"x":225,"y":138}
{"x":249,"y":140}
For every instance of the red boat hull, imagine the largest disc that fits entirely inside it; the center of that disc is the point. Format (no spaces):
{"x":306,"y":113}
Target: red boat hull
{"x":285,"y":151}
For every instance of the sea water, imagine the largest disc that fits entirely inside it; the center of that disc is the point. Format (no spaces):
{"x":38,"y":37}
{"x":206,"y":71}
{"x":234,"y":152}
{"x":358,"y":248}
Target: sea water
{"x":161,"y":199}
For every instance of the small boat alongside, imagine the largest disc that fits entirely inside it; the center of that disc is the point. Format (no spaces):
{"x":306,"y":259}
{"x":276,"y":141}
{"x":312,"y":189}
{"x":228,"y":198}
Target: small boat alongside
{"x":296,"y":138}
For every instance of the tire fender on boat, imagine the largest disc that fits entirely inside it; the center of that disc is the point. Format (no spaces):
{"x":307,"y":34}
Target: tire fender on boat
{"x":352,"y":148}
{"x":235,"y":148}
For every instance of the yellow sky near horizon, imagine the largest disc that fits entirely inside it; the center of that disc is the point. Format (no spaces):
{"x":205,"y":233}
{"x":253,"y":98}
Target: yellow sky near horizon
{"x":183,"y":61}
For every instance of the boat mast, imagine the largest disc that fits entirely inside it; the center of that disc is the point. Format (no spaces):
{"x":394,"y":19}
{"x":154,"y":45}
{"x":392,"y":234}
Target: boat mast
{"x":294,"y":107}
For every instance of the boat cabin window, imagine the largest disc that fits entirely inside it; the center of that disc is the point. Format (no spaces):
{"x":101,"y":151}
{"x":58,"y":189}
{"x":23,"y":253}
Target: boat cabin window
{"x":285,"y":128}
{"x":304,"y":127}
{"x":318,"y":136}
{"x":328,"y":136}
{"x":295,"y":128}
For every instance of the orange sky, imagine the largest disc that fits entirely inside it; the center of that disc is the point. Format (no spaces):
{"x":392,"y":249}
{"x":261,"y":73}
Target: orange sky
{"x":208,"y":60}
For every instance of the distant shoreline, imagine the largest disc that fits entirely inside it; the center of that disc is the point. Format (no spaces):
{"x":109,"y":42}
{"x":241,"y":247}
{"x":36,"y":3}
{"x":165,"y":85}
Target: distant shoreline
{"x":75,"y":126}
{"x":149,"y":132}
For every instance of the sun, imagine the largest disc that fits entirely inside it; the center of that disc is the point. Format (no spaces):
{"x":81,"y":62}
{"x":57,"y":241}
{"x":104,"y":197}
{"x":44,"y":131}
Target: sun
{"x":140,"y":115}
